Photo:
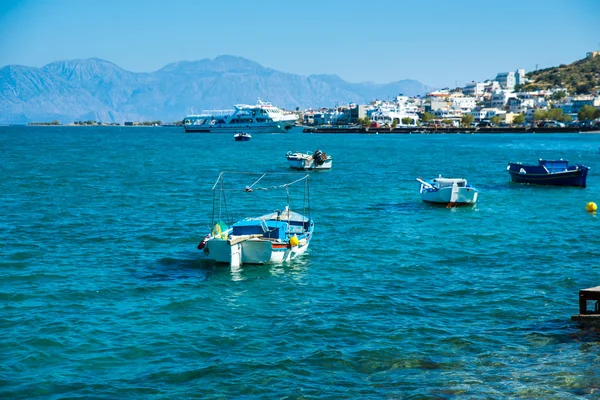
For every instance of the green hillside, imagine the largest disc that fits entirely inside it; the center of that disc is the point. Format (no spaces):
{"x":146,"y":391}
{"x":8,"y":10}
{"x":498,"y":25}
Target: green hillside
{"x":580,"y":77}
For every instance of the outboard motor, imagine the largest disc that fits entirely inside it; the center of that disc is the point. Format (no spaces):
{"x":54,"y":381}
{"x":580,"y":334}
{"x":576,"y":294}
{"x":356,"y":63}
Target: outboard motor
{"x":318,"y":157}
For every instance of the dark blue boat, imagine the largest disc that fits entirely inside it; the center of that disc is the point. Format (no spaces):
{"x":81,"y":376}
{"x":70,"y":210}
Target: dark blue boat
{"x":549,"y":172}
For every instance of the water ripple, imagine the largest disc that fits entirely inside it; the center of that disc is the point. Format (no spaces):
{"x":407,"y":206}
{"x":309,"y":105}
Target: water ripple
{"x":104,"y":295}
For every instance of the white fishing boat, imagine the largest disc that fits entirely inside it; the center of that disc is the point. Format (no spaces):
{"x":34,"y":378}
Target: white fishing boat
{"x":316,"y":160}
{"x":261,"y":117}
{"x":274,"y":237}
{"x":448,"y":191}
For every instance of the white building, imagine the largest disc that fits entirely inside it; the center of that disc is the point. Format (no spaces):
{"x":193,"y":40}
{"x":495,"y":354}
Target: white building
{"x":388,"y":113}
{"x":474,"y":89}
{"x":520,"y":76}
{"x":491,"y":86}
{"x":463,"y":103}
{"x":506,"y":80}
{"x":437,"y":104}
{"x":500,"y":97}
{"x":449,"y":113}
{"x":484,"y":113}
{"x":519,"y":106}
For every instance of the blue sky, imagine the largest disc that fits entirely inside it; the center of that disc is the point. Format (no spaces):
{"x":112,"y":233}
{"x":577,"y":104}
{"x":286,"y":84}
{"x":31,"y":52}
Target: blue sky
{"x":440,"y":43}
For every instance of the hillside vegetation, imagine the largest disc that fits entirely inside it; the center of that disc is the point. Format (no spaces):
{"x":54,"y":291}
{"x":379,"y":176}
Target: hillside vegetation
{"x":580,"y":77}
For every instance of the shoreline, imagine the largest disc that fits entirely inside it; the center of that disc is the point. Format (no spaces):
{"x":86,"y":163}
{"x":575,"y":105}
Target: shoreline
{"x":430,"y":130}
{"x":361,"y":130}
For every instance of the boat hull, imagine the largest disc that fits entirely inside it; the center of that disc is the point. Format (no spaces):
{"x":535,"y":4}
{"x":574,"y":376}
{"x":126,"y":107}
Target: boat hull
{"x":304,"y":164}
{"x":264,"y":128}
{"x":465,"y":196}
{"x":254,"y":251}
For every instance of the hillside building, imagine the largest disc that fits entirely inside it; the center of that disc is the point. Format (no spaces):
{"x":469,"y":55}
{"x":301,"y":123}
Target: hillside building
{"x":506,"y":80}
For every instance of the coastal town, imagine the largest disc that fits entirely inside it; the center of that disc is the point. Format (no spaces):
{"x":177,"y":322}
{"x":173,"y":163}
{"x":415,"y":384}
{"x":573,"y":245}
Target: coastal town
{"x":502,"y":102}
{"x":514,"y":101}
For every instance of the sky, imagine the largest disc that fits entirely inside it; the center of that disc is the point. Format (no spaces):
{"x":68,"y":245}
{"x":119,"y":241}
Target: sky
{"x":439,"y":43}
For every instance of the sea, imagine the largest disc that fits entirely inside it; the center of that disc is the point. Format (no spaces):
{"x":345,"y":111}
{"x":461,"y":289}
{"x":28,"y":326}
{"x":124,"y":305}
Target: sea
{"x":104,"y":294}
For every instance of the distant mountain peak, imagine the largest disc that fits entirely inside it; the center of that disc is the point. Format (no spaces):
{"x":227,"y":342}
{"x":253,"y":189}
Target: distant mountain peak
{"x":94,"y":88}
{"x":218,"y":64}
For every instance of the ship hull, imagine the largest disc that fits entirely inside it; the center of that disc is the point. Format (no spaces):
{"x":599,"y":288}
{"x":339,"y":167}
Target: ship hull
{"x":276,"y":128}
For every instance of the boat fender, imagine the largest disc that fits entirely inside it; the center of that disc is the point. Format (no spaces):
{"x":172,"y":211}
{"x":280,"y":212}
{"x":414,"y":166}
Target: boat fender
{"x":294,"y":241}
{"x":203,"y":242}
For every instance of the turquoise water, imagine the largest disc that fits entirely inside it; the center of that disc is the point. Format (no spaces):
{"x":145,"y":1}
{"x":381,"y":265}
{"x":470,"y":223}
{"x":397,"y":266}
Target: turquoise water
{"x":103,"y":293}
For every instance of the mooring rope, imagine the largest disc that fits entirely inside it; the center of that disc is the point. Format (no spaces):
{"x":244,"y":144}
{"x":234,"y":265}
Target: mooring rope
{"x":285,"y":185}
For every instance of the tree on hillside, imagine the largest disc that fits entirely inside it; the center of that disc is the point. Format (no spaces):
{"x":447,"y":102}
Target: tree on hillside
{"x":407,"y":121}
{"x":555,"y":114}
{"x":467,"y":119}
{"x":495,"y":119}
{"x":588,"y":113}
{"x":558,"y":95}
{"x":364,"y":122}
{"x":427,"y":117}
{"x":540,"y":115}
{"x":583,"y":88}
{"x":519,"y":119}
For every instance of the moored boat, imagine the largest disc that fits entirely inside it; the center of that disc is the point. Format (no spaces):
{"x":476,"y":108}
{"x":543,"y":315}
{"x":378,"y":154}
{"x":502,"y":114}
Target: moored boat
{"x":448,"y":191}
{"x":316,"y":160}
{"x":242,"y":137}
{"x":275,"y":237}
{"x":261,"y":117}
{"x":549,"y":172}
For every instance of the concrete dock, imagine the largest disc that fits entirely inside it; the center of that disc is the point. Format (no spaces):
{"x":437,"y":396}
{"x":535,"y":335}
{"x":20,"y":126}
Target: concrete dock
{"x":587,"y":316}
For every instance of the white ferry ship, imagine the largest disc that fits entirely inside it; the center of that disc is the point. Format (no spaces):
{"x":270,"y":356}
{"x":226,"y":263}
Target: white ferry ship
{"x":262,"y":117}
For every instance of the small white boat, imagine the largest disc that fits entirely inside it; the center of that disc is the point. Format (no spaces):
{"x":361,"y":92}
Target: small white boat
{"x":316,"y":160}
{"x":448,"y":191}
{"x":242,"y":137}
{"x":276,"y":237}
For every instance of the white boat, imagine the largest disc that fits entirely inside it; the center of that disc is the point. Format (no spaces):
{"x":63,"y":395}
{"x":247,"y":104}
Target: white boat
{"x":262,"y":117}
{"x":275,"y":237}
{"x":448,"y":191}
{"x":242,"y":137}
{"x":316,"y":160}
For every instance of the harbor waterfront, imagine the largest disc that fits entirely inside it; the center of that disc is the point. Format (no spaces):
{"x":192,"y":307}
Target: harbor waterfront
{"x":105,"y":295}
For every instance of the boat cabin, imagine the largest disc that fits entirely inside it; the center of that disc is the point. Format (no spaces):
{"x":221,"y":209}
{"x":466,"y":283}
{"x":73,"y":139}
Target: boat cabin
{"x":448,"y":182}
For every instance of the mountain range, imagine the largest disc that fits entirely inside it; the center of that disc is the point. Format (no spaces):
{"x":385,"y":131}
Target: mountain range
{"x":96,"y":89}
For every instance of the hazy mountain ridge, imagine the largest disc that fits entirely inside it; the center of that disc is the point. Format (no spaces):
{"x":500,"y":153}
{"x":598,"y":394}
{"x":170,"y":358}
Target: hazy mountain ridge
{"x":97,"y":89}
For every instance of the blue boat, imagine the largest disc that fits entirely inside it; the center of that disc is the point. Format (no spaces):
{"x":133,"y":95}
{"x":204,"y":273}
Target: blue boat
{"x":549,"y":172}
